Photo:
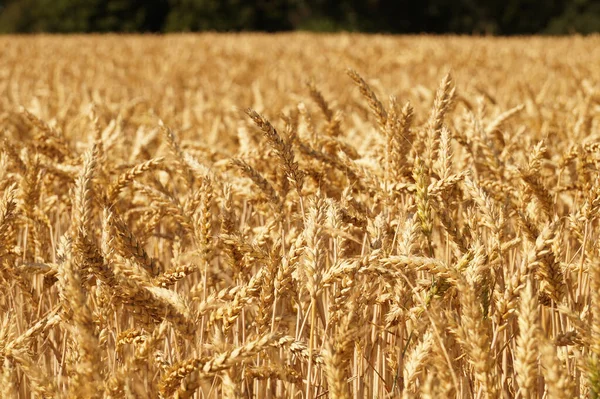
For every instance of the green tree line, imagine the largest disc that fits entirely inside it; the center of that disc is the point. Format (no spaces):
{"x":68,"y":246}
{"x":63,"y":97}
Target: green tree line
{"x":504,"y":17}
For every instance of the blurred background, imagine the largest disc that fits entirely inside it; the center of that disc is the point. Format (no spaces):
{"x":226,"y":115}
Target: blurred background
{"x":496,"y":17}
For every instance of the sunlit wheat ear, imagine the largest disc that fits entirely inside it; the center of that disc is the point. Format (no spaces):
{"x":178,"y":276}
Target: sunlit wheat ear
{"x":331,"y":116}
{"x":282,"y":146}
{"x":526,"y":362}
{"x":7,"y":211}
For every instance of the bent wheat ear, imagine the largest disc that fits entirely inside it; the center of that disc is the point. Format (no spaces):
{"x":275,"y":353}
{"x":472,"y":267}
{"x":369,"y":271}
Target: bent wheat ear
{"x":208,"y":366}
{"x":259,"y":180}
{"x":374,"y":103}
{"x":126,"y":178}
{"x":283,"y":148}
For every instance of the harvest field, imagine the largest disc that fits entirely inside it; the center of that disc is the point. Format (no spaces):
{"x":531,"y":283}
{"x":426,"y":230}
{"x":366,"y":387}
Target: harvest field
{"x":299,"y":216}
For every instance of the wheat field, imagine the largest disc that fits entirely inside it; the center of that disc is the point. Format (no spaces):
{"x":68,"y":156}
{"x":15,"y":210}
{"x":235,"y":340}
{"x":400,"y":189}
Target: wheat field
{"x":299,"y":216}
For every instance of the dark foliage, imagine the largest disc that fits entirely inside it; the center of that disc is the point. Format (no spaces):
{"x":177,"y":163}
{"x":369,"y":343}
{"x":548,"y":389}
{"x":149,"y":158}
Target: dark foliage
{"x":505,"y":17}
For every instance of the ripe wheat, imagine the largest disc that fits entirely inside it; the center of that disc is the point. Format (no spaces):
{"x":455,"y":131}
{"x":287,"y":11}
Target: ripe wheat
{"x":201,"y":216}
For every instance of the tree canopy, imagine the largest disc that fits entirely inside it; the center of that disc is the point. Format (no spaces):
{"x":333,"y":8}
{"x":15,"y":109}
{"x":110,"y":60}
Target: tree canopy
{"x":503,"y":17}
